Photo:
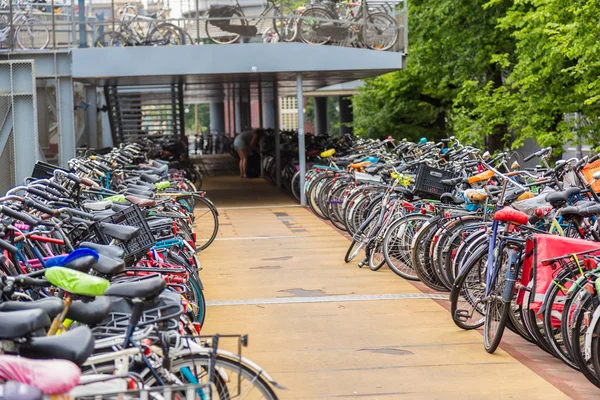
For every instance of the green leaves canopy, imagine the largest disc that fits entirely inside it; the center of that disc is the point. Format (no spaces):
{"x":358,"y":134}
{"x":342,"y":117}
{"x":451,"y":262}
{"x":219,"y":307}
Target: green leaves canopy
{"x":492,"y":72}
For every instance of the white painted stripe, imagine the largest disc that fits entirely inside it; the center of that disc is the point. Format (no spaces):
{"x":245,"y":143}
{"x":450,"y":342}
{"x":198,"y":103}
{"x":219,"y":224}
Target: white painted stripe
{"x":258,"y":207}
{"x":263,"y":237}
{"x":327,"y":299}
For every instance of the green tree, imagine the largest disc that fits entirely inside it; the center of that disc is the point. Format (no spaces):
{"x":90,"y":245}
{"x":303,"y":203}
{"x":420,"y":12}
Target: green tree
{"x":203,"y":118}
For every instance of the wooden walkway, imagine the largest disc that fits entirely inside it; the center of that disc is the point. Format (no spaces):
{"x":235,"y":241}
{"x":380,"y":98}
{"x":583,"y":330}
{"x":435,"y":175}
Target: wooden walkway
{"x":329,"y":330}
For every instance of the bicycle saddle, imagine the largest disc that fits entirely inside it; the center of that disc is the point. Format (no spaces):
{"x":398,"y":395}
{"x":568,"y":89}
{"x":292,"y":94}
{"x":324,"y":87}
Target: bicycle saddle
{"x":121,"y":232}
{"x":476,"y":196}
{"x":150,"y":178}
{"x":108,"y":265}
{"x":142,"y":288}
{"x":51,"y":377}
{"x":448,"y":198}
{"x":484,"y":176}
{"x":509,"y":214}
{"x":141,"y":202}
{"x":19,"y":324}
{"x":105,"y":249}
{"x":451,"y":182}
{"x":562,"y":197}
{"x":116,"y":207}
{"x":52,"y":306}
{"x":90,"y":312}
{"x":98,"y":205}
{"x":75,"y":346}
{"x":76,"y":282}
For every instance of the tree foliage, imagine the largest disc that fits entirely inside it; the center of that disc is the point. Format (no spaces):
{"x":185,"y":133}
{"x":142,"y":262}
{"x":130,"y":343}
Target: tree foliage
{"x":492,"y":72}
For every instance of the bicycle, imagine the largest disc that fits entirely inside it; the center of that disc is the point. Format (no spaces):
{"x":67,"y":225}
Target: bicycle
{"x":232,"y":23}
{"x":131,"y":32}
{"x":29,"y":32}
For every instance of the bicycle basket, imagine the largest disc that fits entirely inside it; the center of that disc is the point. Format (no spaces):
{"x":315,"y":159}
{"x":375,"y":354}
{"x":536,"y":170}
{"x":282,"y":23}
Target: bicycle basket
{"x":588,"y":171}
{"x":131,"y":216}
{"x":428,"y":183}
{"x":43,"y":170}
{"x":220,"y":11}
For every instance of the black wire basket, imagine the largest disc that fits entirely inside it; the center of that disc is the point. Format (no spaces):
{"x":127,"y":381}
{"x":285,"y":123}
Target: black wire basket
{"x":43,"y":170}
{"x":428,"y":184}
{"x":131,"y":216}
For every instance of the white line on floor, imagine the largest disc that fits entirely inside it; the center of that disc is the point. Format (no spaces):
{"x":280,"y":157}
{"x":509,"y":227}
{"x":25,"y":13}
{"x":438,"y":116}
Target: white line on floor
{"x":328,"y":299}
{"x":258,"y":207}
{"x":263,"y":237}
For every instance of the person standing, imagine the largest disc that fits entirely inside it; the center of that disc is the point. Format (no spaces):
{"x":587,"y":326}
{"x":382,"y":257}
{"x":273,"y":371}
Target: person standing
{"x":243,"y":144}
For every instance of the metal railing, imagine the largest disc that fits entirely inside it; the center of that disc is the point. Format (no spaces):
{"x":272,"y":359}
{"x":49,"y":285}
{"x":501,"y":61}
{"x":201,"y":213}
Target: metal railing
{"x":376,"y":25}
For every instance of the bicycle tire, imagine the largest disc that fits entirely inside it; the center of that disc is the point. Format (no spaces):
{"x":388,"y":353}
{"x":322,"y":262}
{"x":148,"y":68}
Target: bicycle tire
{"x":311,"y":36}
{"x":231,"y":37}
{"x":212,"y":219}
{"x":472,"y":275}
{"x":203,"y":361}
{"x":397,"y":254}
{"x":284,"y":33}
{"x":37,"y":35}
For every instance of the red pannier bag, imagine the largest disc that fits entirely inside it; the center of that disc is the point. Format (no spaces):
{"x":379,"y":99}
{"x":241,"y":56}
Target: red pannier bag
{"x":543,"y":247}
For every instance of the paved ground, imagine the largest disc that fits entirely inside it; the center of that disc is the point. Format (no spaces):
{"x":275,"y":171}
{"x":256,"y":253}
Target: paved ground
{"x":329,"y":330}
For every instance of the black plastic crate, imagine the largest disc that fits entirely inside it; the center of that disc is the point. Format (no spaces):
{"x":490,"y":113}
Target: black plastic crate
{"x":131,"y":216}
{"x":428,"y":184}
{"x":43,"y":170}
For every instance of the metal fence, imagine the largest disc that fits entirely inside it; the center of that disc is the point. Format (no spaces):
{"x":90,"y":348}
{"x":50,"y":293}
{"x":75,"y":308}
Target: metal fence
{"x":376,"y":25}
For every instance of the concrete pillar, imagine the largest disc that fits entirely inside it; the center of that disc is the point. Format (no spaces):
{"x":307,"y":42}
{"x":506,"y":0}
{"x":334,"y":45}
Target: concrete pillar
{"x":237,"y":112}
{"x":321,"y":125}
{"x":301,"y":144}
{"x":66,"y":120}
{"x":345,"y":114}
{"x":268,"y":107}
{"x":91,"y":117}
{"x":217,"y":117}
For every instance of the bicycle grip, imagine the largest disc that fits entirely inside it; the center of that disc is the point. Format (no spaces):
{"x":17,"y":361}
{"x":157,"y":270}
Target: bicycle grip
{"x":28,"y":219}
{"x":79,"y":213}
{"x":8,"y":247}
{"x":74,"y":178}
{"x":595,"y":158}
{"x":57,"y":187}
{"x":40,"y":207}
{"x":529,"y":157}
{"x":39,"y":193}
{"x":24,"y":280}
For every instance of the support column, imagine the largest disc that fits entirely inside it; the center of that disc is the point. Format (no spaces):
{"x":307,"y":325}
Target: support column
{"x":217,"y":117}
{"x":301,"y":144}
{"x":321,"y":125}
{"x":237,"y":112}
{"x":65,"y":116}
{"x":91,"y":117}
{"x":345,"y":115}
{"x":277,"y":136}
{"x":268,"y":108}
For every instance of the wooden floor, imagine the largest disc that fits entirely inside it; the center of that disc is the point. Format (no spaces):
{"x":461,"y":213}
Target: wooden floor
{"x":329,"y":330}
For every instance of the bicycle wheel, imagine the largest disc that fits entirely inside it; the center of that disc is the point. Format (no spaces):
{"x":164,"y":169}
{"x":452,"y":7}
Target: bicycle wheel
{"x":206,"y":223}
{"x":164,"y":35}
{"x":310,"y":25}
{"x":466,"y":305}
{"x":578,"y":332}
{"x":380,"y":32}
{"x":112,"y":39}
{"x":251,"y":382}
{"x":361,"y":238}
{"x":296,"y":185}
{"x":32,"y":35}
{"x":285,"y":24}
{"x":220,"y":34}
{"x":496,"y":309}
{"x":421,"y":255}
{"x":376,"y":257}
{"x":397,"y":244}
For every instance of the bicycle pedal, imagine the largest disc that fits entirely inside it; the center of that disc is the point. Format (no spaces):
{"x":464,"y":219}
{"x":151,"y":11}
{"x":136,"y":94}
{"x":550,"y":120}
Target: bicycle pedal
{"x":462,"y":315}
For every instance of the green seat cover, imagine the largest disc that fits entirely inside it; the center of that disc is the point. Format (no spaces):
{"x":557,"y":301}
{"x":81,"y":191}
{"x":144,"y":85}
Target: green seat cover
{"x":76,"y":282}
{"x":162,"y":185}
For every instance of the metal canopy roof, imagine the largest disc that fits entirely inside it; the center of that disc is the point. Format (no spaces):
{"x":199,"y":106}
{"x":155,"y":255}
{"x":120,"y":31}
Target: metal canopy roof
{"x":211,"y":72}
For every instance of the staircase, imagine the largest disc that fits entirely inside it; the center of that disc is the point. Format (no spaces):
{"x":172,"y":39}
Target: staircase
{"x":140,"y":111}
